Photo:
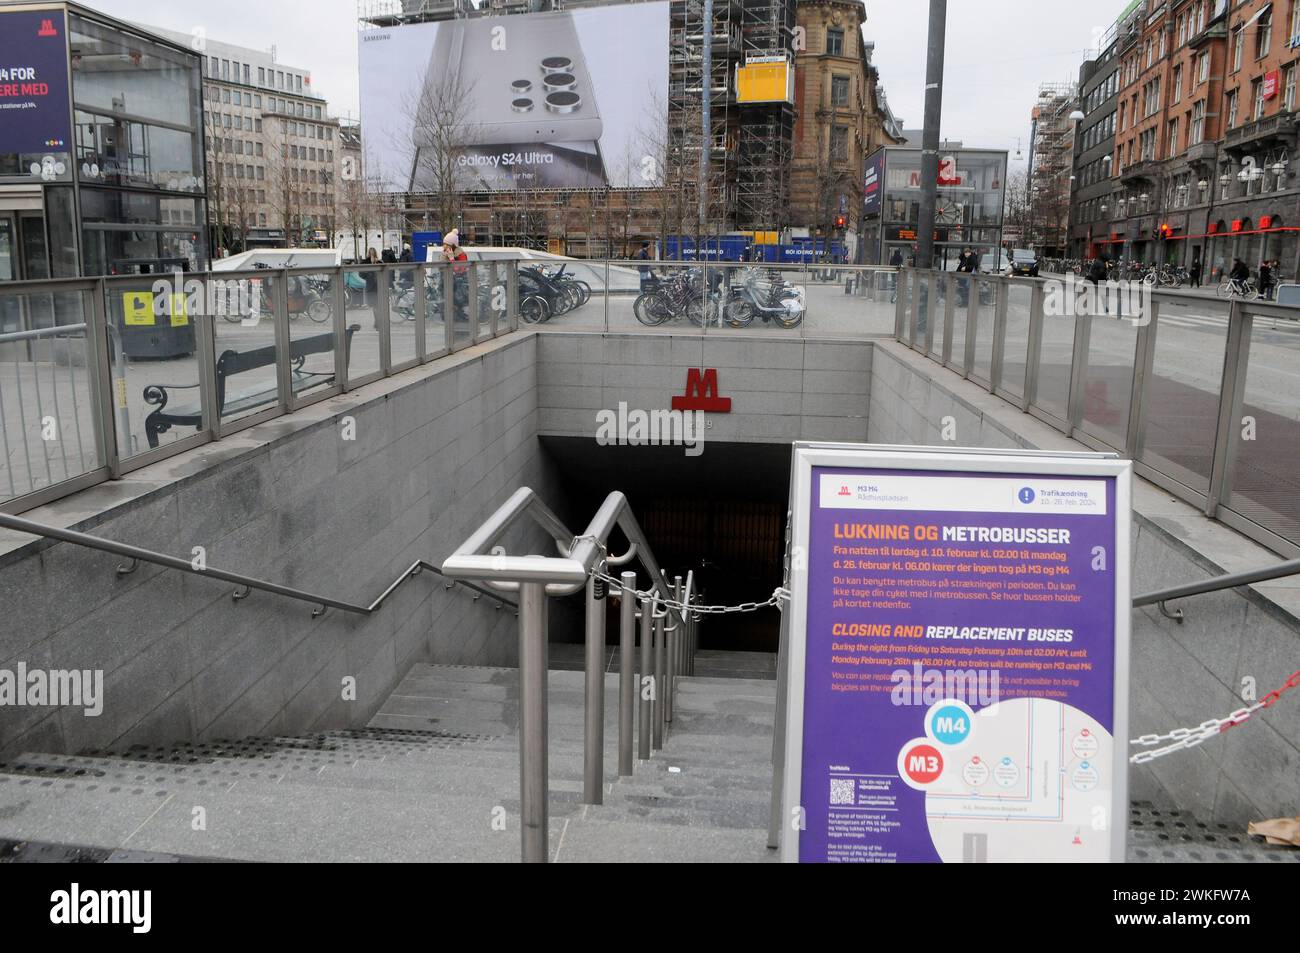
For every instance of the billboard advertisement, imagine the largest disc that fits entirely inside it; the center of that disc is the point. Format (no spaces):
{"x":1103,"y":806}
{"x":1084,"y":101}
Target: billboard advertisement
{"x":957,"y":658}
{"x":34,"y":111}
{"x":573,"y":99}
{"x":872,"y":184}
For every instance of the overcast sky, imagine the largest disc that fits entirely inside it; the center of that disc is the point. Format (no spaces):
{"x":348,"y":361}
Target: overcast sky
{"x":998,"y":51}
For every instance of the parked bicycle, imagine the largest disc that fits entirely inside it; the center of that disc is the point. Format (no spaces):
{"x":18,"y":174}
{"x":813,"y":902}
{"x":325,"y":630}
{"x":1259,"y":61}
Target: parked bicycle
{"x":764,"y":293}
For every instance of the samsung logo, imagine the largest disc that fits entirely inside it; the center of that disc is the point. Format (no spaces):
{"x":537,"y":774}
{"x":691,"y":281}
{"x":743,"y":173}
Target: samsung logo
{"x":375,"y":37}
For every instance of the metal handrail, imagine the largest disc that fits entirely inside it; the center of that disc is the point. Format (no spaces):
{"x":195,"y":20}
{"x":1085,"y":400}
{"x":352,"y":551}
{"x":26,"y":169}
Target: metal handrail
{"x":37,"y":333}
{"x":246,"y":583}
{"x":1215,"y":584}
{"x":537,"y":577}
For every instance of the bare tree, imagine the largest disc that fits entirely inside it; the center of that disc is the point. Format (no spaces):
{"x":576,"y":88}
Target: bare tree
{"x":218,"y":181}
{"x":285,"y":179}
{"x":438,"y":116}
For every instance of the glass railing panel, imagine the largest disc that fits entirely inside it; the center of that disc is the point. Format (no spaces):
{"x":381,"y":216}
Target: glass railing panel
{"x":245,"y":351}
{"x":1182,"y":395}
{"x":403,"y":347}
{"x":47,"y":409}
{"x":310,"y":301}
{"x":1265,"y":474}
{"x":362,"y":310}
{"x":1108,"y":383}
{"x":985,"y":318}
{"x":1016,"y":346}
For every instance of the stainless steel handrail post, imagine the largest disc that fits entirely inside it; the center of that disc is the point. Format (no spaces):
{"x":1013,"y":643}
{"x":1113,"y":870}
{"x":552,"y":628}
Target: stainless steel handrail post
{"x":626,"y":686}
{"x":660,"y":692}
{"x":676,"y":632}
{"x":593,"y":761}
{"x":645,"y":683}
{"x":533,"y":793}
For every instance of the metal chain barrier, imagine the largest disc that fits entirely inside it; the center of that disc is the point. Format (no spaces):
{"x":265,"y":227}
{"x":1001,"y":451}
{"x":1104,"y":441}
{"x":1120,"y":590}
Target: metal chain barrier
{"x":1184,"y":738}
{"x":778,"y":600}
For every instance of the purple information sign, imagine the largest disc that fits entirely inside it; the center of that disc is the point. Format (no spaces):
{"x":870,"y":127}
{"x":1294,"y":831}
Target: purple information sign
{"x":959,"y":666}
{"x":34,"y":111}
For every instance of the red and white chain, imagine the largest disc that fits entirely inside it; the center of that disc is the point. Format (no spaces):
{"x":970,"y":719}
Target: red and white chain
{"x":1184,"y":738}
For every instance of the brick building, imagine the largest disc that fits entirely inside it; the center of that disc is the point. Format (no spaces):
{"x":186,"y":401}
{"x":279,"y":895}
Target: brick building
{"x":1204,"y":134}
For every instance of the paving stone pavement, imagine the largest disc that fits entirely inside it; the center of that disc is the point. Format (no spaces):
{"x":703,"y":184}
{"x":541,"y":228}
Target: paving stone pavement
{"x":425,"y":782}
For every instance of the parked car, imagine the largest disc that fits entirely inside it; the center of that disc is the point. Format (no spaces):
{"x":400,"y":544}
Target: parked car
{"x":1024,"y":262}
{"x":992,"y":264}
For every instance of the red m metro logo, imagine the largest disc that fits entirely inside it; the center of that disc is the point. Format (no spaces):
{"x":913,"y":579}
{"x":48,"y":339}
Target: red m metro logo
{"x":47,"y":29}
{"x":702,"y":393}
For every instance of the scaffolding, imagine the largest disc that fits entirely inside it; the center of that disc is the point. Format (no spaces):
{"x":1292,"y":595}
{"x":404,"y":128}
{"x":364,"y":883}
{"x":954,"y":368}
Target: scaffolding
{"x":766,"y":150}
{"x":1051,"y":160}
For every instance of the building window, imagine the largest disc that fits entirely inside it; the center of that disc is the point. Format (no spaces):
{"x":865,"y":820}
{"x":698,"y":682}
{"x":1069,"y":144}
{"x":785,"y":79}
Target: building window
{"x":1238,"y":47}
{"x":1198,"y":124}
{"x":1232,"y":109}
{"x":839,"y":90}
{"x":1257,"y":94}
{"x":1288,"y":102}
{"x":1177,"y":95}
{"x":1203,"y":68}
{"x":1173,"y":137}
{"x":1264,"y":41}
{"x":839,"y":143}
{"x":835,"y":42}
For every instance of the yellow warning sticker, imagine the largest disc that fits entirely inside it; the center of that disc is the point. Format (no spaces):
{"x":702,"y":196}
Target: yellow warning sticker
{"x":137,"y":308}
{"x":179,"y":317}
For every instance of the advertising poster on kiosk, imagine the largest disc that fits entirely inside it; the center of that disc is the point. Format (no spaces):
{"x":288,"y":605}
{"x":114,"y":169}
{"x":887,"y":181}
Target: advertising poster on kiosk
{"x":569,"y":99}
{"x":956,"y":659}
{"x":35,"y":117}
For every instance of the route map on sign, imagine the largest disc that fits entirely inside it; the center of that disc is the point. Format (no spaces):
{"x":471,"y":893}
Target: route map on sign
{"x":958,"y":667}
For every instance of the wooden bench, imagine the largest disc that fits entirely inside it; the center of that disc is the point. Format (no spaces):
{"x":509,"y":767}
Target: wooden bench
{"x":190,"y":413}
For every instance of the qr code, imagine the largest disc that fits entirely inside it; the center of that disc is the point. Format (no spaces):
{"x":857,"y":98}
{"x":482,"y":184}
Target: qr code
{"x":844,"y":791}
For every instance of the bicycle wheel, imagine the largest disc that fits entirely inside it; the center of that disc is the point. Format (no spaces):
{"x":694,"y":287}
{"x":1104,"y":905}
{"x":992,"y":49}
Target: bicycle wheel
{"x":739,"y":314}
{"x":789,"y":319}
{"x":584,"y":291}
{"x":651,"y":309}
{"x":533,"y":309}
{"x":695,"y":313}
{"x":320,"y":309}
{"x":1225,"y":290}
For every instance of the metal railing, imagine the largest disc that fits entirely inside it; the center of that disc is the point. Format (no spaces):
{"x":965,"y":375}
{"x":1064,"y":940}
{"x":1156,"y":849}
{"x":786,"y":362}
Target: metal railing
{"x":1199,"y":392}
{"x":708,"y":298}
{"x":668,"y":640}
{"x":1215,"y":584}
{"x":99,"y":377}
{"x":246,"y":585}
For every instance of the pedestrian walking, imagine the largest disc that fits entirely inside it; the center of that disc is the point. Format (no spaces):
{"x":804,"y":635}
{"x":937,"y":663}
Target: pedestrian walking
{"x":647,"y":273}
{"x":1195,"y":274}
{"x":1266,"y":280}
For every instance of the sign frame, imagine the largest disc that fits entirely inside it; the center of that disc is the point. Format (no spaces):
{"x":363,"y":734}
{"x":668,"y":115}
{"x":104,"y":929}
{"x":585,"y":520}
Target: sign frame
{"x":784,"y":831}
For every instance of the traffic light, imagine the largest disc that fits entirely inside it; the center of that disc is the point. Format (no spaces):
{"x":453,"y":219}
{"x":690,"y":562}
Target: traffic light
{"x":1166,"y":232}
{"x":841,"y":221}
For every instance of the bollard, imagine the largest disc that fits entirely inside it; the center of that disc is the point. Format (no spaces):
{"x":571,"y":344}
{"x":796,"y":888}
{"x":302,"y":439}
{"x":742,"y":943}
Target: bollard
{"x":626,"y":676}
{"x":532,"y":722}
{"x":593,"y":755}
{"x":643,"y":725}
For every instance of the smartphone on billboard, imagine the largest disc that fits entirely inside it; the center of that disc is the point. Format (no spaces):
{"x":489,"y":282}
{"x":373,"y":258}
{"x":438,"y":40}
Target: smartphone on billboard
{"x":525,"y":80}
